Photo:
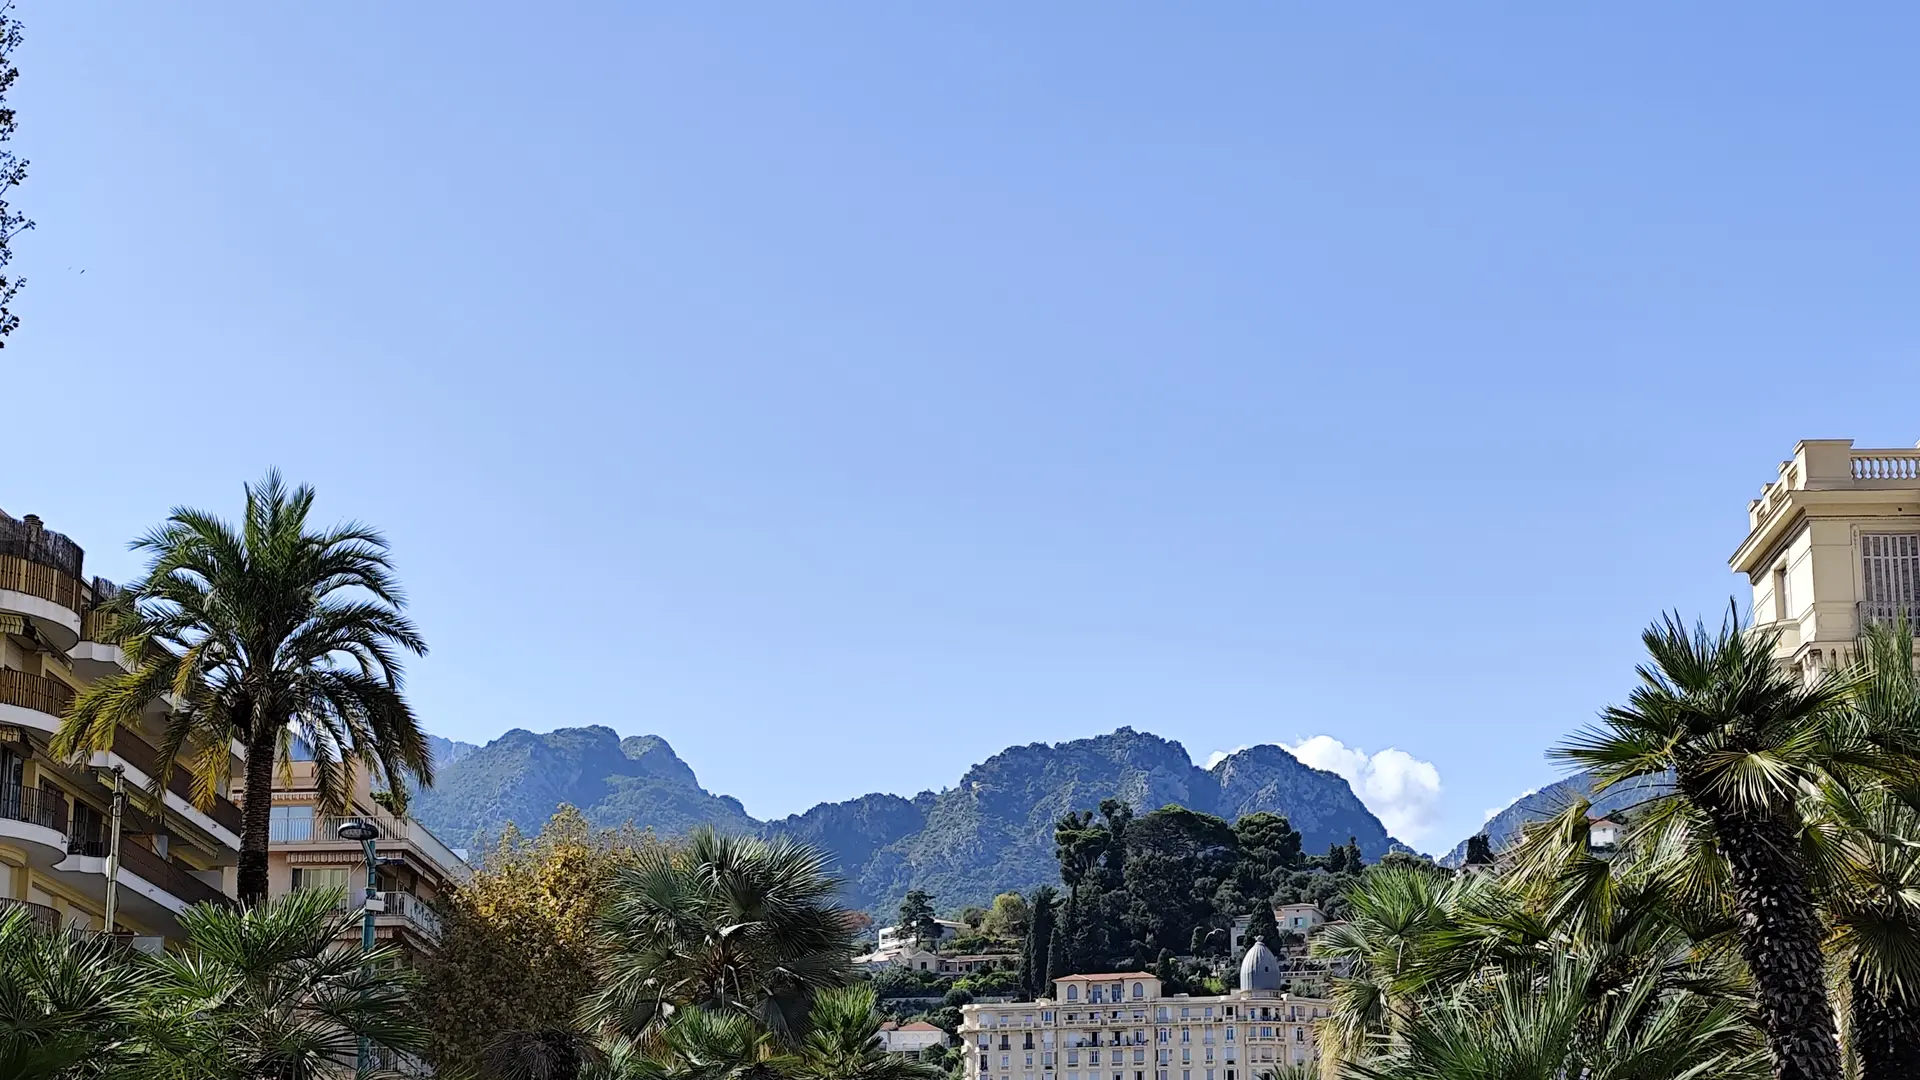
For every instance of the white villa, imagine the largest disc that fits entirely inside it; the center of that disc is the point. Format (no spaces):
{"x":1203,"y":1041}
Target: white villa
{"x":1121,"y":1027}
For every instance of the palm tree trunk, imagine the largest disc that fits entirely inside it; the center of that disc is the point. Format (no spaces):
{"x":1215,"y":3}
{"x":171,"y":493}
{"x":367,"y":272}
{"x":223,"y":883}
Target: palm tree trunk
{"x":1886,"y":1034}
{"x":1779,"y":939}
{"x":256,"y":819}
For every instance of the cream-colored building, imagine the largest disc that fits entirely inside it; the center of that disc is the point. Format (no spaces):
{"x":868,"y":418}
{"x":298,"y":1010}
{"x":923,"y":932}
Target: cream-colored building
{"x":55,"y":815}
{"x":1833,"y":543}
{"x":306,"y":851}
{"x":1121,"y":1027}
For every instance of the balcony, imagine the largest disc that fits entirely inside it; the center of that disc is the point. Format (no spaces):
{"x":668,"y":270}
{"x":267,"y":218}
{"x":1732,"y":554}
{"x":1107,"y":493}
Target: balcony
{"x":324,"y":831}
{"x":397,"y":908}
{"x":161,"y":873}
{"x":43,"y":568}
{"x":1888,"y":612}
{"x":45,"y":919}
{"x":135,"y":752}
{"x":31,"y":806}
{"x":37,"y":693}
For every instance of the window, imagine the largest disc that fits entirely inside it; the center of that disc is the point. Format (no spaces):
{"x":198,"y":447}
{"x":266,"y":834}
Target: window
{"x":1889,"y":576}
{"x":290,"y":824}
{"x":1299,"y":1034}
{"x":1046,"y":1017}
{"x":1073,"y":992}
{"x":322,"y":877}
{"x":1139,"y":991}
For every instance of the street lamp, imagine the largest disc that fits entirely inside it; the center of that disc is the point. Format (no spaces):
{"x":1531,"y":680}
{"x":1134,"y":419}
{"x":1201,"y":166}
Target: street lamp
{"x":364,"y":833}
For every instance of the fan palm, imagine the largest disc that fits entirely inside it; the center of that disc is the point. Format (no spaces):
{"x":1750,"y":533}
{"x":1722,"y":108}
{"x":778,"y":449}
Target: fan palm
{"x":1742,"y":737}
{"x":1545,"y":1029}
{"x":68,"y":1005}
{"x":1863,"y":844}
{"x":733,"y":925}
{"x":843,"y":1042}
{"x":256,"y":635}
{"x":1391,"y":912}
{"x":697,"y":1045}
{"x":265,"y":991}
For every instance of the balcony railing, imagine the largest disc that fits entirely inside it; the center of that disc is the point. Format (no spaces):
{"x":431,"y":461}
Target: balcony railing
{"x":399,"y":905}
{"x":158,"y":871}
{"x":26,"y":538}
{"x":33,"y":806}
{"x":40,"y":562}
{"x":415,"y":910}
{"x":36,"y":692}
{"x":45,"y":919}
{"x":1878,"y":612}
{"x":325,"y":830}
{"x":93,"y":621}
{"x":134,"y":751}
{"x":1885,"y":464}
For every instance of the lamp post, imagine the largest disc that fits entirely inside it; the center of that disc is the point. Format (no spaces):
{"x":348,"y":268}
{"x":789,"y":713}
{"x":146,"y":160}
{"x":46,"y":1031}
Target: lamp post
{"x":364,"y":833}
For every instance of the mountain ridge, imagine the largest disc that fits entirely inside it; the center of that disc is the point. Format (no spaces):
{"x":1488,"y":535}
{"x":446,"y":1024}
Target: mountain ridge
{"x":990,"y":832}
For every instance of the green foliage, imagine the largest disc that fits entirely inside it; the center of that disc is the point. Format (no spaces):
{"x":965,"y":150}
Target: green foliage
{"x":1263,"y":927}
{"x":729,"y":924}
{"x":987,"y":983}
{"x":843,"y":1043}
{"x":66,"y":1003}
{"x":268,"y":991}
{"x":259,"y":992}
{"x":1034,"y":950}
{"x":13,"y":172}
{"x":261,"y":633}
{"x":1009,"y":917}
{"x":916,"y":918}
{"x":517,"y":942}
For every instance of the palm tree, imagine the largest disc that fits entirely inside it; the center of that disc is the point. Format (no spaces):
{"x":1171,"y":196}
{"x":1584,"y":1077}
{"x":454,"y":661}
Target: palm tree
{"x":734,"y":925}
{"x":697,"y":1045}
{"x":1391,"y":912}
{"x":1545,"y":1029}
{"x":1741,"y":737}
{"x":265,"y":991}
{"x":257,"y":635}
{"x":843,"y":1042}
{"x":1863,"y":843}
{"x":68,"y":1005}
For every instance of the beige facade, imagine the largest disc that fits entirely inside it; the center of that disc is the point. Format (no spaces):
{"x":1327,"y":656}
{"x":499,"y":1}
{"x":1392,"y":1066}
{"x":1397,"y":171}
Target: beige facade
{"x":1121,"y":1027}
{"x":55,"y":815}
{"x":306,"y":851}
{"x":1833,"y":543}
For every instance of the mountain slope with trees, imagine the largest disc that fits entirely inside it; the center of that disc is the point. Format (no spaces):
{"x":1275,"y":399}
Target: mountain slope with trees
{"x":990,"y":833}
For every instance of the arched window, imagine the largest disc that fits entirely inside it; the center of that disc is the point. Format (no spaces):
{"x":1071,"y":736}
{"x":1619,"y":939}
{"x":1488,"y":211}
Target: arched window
{"x":1139,"y":991}
{"x":1073,"y":992}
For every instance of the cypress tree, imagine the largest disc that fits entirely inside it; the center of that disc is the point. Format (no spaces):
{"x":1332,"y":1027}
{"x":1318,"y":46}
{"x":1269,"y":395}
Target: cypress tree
{"x":1059,"y":950}
{"x":1263,"y":928}
{"x":1039,"y":944}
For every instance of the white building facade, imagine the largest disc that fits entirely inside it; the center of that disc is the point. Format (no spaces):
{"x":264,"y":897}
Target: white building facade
{"x":1121,"y":1027}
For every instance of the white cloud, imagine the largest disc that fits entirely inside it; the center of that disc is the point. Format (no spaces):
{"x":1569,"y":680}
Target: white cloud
{"x":1402,"y":790}
{"x":1219,"y":756}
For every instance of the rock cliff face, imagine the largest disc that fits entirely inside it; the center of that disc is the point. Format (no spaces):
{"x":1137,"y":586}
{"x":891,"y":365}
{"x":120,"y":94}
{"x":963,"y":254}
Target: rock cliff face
{"x":1504,"y":827}
{"x":990,"y":832}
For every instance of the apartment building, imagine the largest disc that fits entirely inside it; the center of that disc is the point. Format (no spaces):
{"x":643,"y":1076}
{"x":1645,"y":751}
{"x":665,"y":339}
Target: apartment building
{"x":1833,"y":544}
{"x":55,"y":815}
{"x":306,"y":850}
{"x":1122,"y":1027}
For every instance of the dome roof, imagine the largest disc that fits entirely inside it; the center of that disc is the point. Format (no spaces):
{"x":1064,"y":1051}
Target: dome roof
{"x":1260,"y":969}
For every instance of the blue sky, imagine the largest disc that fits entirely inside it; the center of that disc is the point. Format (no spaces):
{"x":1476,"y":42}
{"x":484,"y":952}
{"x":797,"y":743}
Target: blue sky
{"x":847,"y":392}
